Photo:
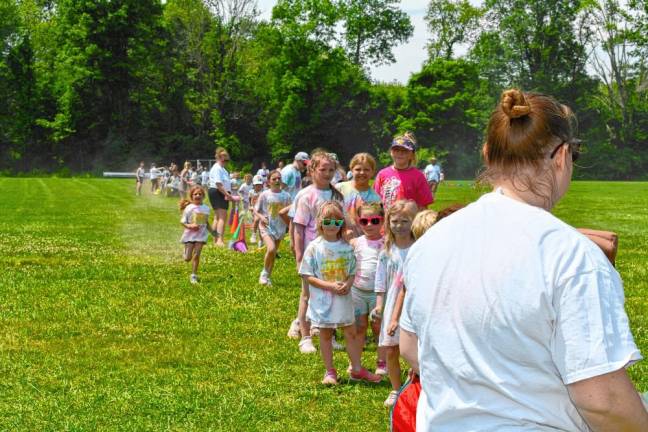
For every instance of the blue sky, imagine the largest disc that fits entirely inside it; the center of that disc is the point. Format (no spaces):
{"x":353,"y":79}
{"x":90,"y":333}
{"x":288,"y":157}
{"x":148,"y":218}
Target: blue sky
{"x":409,"y":57}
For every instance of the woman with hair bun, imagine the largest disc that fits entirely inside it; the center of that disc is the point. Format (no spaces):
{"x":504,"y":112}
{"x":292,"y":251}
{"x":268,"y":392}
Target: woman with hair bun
{"x":518,"y":322}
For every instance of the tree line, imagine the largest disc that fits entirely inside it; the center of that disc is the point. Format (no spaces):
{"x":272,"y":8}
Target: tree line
{"x":87,"y":85}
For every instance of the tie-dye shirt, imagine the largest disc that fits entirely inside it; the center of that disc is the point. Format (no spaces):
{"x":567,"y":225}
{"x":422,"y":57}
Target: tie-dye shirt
{"x":353,"y":199}
{"x":331,"y":262}
{"x":394,"y":184}
{"x":389,"y":280}
{"x":366,"y":254}
{"x":307,"y":203}
{"x":269,"y":204}
{"x":193,"y":214}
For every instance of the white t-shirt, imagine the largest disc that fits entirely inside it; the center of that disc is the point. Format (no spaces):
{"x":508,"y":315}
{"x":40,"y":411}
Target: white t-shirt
{"x":510,"y":304}
{"x":291,"y":177}
{"x":218,"y":174}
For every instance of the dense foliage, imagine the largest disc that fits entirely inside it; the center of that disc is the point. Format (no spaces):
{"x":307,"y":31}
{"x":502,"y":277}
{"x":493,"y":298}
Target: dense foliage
{"x":88,"y":85}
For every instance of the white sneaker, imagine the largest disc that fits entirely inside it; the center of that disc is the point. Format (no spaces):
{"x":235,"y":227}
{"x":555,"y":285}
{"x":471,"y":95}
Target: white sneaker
{"x":381,"y":368}
{"x":391,"y":399}
{"x":336,"y":345}
{"x":294,"y":332}
{"x":306,"y":346}
{"x":264,"y":279}
{"x":253,"y":238}
{"x":193,"y":278}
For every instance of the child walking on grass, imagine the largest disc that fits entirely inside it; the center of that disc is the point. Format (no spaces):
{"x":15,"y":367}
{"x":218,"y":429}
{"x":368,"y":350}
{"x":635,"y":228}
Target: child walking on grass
{"x":272,"y":222}
{"x":195,"y":219}
{"x":366,"y":248}
{"x":389,"y":283}
{"x":328,"y":266}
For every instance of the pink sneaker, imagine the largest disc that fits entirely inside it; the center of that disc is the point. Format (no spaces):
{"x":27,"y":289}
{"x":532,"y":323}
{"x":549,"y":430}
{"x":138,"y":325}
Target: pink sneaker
{"x":364,"y":375}
{"x":381,"y":368}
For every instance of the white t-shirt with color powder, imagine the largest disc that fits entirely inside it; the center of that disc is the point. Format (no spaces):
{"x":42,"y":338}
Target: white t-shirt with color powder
{"x":291,"y":177}
{"x":218,"y":174}
{"x":193,"y":214}
{"x":366,"y":253}
{"x":306,"y":206}
{"x":332,"y":262}
{"x":269,"y":204}
{"x":514,"y":306}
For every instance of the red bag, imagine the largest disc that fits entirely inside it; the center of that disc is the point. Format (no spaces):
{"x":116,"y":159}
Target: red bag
{"x":403,"y":414}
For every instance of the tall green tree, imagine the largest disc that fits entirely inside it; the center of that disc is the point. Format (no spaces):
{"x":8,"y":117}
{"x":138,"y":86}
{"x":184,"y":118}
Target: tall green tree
{"x":451,"y":23}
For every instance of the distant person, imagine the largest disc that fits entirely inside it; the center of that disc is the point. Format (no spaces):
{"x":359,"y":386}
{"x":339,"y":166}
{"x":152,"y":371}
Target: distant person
{"x":139,"y":178}
{"x":291,"y":175}
{"x":220,"y":194}
{"x":263,"y":172}
{"x":402,"y":180}
{"x":514,"y":319}
{"x":280,"y":165}
{"x":255,"y":193}
{"x":154,"y":175}
{"x":433,"y":175}
{"x":195,"y":219}
{"x":185,"y":179}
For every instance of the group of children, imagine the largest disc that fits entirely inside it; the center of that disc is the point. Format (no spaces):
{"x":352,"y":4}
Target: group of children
{"x":350,"y":242}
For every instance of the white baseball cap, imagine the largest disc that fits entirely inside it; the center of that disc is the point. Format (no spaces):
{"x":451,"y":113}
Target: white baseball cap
{"x":303,"y":157}
{"x":257,"y":180}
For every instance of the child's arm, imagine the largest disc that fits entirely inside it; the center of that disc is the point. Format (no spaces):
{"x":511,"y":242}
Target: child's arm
{"x":379,"y":287}
{"x":283,"y":214}
{"x":299,"y":241}
{"x":396,"y":313}
{"x":334,"y":287}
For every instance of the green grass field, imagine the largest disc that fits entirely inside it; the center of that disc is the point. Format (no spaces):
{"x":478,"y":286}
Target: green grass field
{"x":101,"y":330}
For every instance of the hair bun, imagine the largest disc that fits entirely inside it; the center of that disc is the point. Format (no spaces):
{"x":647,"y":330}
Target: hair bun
{"x":514,"y":104}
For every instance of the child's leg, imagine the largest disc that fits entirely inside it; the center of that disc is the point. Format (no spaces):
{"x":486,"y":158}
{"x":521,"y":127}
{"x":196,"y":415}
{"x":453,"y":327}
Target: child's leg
{"x":393,"y":366}
{"x":188,"y":251}
{"x":354,"y":347}
{"x":196,"y":257}
{"x":304,"y":325}
{"x":326,"y":347}
{"x":271,"y":252}
{"x":380,"y":351}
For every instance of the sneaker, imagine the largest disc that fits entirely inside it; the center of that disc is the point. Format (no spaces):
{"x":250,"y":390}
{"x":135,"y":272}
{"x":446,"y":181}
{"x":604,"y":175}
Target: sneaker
{"x":364,"y":375}
{"x":391,"y":399}
{"x":306,"y":346}
{"x":193,"y":279}
{"x":381,"y":368}
{"x":330,"y":378}
{"x":314,"y":331}
{"x":337,"y":346}
{"x":253,"y":238}
{"x":294,"y":332}
{"x":264,"y":279}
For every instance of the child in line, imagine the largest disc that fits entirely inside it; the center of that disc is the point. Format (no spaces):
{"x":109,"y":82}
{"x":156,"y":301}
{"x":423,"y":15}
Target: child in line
{"x":328,"y":266}
{"x":195,"y":219}
{"x":403,"y":180}
{"x":366,"y":249}
{"x":357,"y":191}
{"x":257,"y":188}
{"x":307,"y":203}
{"x":389,"y":282}
{"x":272,"y":223}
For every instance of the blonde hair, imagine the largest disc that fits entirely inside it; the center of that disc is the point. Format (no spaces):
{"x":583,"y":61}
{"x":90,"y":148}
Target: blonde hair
{"x":371,"y":207}
{"x":422,"y":222}
{"x":220,"y":151}
{"x":330,"y":209}
{"x":363,"y":158}
{"x":407,"y":208}
{"x":247,"y":177}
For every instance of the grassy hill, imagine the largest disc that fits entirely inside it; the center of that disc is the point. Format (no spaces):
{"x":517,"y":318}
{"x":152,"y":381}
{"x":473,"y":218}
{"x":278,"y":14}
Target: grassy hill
{"x":101,"y":330}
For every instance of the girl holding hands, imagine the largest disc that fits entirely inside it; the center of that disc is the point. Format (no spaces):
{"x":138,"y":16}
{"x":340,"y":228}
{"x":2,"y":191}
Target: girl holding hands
{"x":328,"y":267}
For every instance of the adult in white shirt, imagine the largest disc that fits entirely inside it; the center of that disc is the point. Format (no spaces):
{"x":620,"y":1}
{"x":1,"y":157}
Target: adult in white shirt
{"x":220,"y":193}
{"x":514,"y":319}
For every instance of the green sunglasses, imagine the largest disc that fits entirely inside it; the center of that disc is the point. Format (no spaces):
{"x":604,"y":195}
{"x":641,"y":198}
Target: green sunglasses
{"x":332,"y":222}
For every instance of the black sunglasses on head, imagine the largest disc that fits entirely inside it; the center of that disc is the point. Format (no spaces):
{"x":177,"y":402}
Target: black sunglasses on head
{"x":574,"y":148}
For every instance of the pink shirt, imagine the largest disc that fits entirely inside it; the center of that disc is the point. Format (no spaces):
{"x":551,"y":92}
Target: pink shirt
{"x":393,"y":184}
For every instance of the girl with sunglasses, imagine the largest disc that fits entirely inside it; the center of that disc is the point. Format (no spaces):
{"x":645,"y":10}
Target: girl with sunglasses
{"x":306,"y":204}
{"x":366,"y":248}
{"x":328,"y":267}
{"x":389,"y":283}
